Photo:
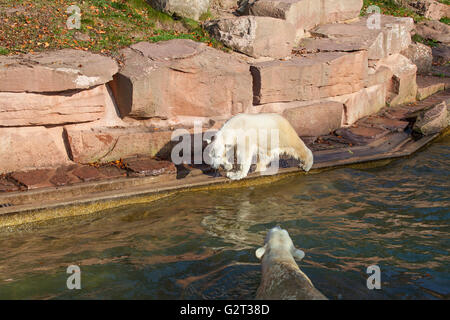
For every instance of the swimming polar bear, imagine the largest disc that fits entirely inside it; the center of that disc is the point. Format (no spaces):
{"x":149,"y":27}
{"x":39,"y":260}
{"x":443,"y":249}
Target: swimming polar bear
{"x":282,"y":279}
{"x":265,"y":135}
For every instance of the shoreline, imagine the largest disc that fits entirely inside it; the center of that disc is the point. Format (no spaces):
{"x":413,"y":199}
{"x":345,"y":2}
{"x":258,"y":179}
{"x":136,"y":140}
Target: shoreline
{"x":60,"y":202}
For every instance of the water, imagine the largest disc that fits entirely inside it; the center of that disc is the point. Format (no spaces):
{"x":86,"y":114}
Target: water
{"x":201,"y":245}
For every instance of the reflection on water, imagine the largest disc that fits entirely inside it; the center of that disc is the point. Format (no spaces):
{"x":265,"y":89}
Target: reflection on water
{"x":201,"y":245}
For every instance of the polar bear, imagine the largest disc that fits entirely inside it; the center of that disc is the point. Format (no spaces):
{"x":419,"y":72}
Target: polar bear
{"x":282,"y":279}
{"x":265,"y":136}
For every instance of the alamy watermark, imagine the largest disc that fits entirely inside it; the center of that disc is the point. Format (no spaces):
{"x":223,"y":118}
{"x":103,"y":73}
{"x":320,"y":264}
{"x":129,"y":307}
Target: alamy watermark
{"x":74,"y":21}
{"x":374,"y":280}
{"x":74,"y":280}
{"x":374,"y":20}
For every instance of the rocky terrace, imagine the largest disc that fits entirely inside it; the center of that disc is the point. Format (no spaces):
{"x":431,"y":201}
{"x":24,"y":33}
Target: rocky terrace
{"x":352,"y":92}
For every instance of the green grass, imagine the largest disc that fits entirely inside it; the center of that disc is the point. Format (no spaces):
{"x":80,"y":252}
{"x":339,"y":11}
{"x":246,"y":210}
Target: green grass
{"x":445,"y":20}
{"x":3,"y":51}
{"x":110,"y":24}
{"x":447,"y":2}
{"x":428,"y":42}
{"x":389,"y":7}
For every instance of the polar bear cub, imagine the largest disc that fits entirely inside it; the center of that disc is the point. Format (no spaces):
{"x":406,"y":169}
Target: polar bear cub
{"x":282,"y":279}
{"x":265,"y":136}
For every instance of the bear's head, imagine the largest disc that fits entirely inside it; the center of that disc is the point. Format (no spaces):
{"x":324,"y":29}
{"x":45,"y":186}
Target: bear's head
{"x":218,"y":152}
{"x":279,"y":243}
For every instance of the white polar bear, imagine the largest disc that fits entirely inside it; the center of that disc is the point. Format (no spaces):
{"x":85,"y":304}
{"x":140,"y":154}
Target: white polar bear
{"x":265,"y":135}
{"x":282,"y":279}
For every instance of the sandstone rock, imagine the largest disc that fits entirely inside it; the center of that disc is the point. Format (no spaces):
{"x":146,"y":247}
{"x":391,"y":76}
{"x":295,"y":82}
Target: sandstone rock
{"x":430,"y":9}
{"x":392,"y":37}
{"x":192,"y":9}
{"x":255,"y":36}
{"x":384,"y":123}
{"x":434,"y":30}
{"x":333,"y":11}
{"x":361,"y":135}
{"x":224,"y":4}
{"x":363,"y":103}
{"x":55,"y":71}
{"x":432,"y":120}
{"x":427,"y":86}
{"x":311,"y":77}
{"x":304,"y":14}
{"x":145,"y":166}
{"x":441,"y":54}
{"x":403,"y":88}
{"x":315,"y":119}
{"x":30,"y":148}
{"x":31,"y":109}
{"x":181,"y":78}
{"x":421,"y":55}
{"x":112,"y":143}
{"x":382,"y":75}
{"x":33,"y":179}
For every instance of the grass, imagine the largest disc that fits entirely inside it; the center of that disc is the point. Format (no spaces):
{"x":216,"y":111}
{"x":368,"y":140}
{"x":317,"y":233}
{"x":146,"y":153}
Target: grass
{"x":36,"y":25}
{"x":389,"y":7}
{"x":428,"y":42}
{"x":445,"y":20}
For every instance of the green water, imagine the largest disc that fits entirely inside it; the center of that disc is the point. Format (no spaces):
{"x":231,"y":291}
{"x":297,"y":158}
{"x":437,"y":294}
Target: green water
{"x":201,"y":245}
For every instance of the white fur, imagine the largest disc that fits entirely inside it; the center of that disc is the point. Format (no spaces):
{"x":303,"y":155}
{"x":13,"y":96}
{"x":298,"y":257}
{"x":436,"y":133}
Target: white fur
{"x":265,"y":136}
{"x":281,"y":277}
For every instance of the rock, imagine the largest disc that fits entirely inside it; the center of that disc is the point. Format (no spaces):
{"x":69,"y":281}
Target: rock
{"x":144,"y":166}
{"x":33,"y":179}
{"x":333,"y":11}
{"x":7,"y":186}
{"x":427,"y":86}
{"x":81,"y":36}
{"x":363,"y":103}
{"x":297,"y":79}
{"x":392,"y":37}
{"x":55,"y":71}
{"x":430,"y":9}
{"x":403,"y":87}
{"x":421,"y":55}
{"x":192,"y":9}
{"x":88,"y":145}
{"x":315,"y":119}
{"x":382,"y":75}
{"x":384,"y":123}
{"x":181,"y":78}
{"x":224,"y":4}
{"x":31,"y":109}
{"x":434,"y":30}
{"x":441,"y":54}
{"x":361,"y":135}
{"x":63,"y":176}
{"x":255,"y":36}
{"x":28,"y":148}
{"x":304,"y":14}
{"x":432,"y":120}
{"x":87,"y":173}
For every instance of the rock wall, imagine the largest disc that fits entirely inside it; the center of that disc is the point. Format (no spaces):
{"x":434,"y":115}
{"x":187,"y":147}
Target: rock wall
{"x":67,"y":106}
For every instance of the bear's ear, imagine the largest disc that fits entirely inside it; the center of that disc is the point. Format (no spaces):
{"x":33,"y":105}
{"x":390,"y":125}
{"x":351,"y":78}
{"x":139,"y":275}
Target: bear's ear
{"x":298,"y":254}
{"x":260,"y":252}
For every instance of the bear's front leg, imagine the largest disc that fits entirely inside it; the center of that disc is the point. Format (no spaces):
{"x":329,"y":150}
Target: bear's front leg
{"x":244,"y":161}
